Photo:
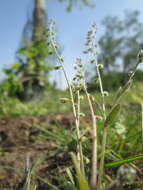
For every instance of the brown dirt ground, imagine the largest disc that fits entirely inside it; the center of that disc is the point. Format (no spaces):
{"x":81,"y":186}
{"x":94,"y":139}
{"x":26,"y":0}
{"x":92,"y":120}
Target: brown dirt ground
{"x":16,"y":142}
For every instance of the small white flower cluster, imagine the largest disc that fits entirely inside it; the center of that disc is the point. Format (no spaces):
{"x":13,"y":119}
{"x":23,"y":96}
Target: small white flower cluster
{"x":51,"y":29}
{"x":92,"y":46}
{"x":51,"y":35}
{"x":78,"y":80}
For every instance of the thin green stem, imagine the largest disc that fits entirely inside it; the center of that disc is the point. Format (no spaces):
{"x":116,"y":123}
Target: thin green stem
{"x":101,"y":89}
{"x":142,"y":124}
{"x":103,"y":146}
{"x":79,"y":146}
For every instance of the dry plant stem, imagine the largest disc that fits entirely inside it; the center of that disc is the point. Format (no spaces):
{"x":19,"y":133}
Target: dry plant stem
{"x":101,"y":166}
{"x":27,"y":172}
{"x":73,"y":106}
{"x":93,"y":180}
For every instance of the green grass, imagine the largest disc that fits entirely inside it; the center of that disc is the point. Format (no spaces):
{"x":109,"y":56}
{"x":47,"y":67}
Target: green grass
{"x":47,"y":104}
{"x":50,"y":103}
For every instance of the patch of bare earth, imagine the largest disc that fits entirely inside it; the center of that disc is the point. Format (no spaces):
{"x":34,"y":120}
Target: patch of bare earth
{"x":17,"y":140}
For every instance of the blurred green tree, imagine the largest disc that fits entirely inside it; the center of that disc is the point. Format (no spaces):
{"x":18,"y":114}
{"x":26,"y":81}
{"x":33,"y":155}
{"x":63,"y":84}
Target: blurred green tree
{"x":121,"y":41}
{"x":72,"y":3}
{"x":119,"y":44}
{"x":28,"y":77}
{"x":111,"y":43}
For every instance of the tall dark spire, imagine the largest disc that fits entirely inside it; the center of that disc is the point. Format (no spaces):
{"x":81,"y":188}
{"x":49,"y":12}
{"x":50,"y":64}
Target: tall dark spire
{"x":39,"y":18}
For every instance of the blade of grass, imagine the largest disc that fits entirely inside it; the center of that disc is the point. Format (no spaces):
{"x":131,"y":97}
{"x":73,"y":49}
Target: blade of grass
{"x":68,"y":171}
{"x":120,"y":162}
{"x":123,"y":90}
{"x":112,"y":115}
{"x":48,"y":183}
{"x":83,"y":185}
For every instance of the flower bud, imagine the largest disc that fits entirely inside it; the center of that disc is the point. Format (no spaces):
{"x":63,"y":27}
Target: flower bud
{"x":57,"y":67}
{"x":64,"y":100}
{"x":82,"y":115}
{"x":62,"y":59}
{"x":105,"y":93}
{"x":100,"y":66}
{"x":81,"y":97}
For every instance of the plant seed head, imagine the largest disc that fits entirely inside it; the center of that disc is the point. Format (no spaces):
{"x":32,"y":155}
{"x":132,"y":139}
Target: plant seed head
{"x":62,"y":59}
{"x":81,"y":97}
{"x":64,"y":100}
{"x":100,"y":66}
{"x":82,"y":115}
{"x":105,"y":93}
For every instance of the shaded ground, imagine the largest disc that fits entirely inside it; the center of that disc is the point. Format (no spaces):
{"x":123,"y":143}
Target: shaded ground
{"x":18,"y":139}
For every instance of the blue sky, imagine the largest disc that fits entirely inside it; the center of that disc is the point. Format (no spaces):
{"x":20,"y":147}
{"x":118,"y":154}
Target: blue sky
{"x":72,"y":27}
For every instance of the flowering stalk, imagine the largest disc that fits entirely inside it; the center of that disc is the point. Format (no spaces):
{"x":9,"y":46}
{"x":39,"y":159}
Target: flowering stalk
{"x":78,"y":86}
{"x":92,"y":49}
{"x":75,"y":113}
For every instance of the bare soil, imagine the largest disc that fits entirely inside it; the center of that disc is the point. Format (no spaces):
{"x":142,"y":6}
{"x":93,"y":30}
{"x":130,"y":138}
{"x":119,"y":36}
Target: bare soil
{"x":17,"y":141}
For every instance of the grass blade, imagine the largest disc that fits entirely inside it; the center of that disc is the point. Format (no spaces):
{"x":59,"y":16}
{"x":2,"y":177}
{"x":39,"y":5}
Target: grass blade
{"x":83,"y":185}
{"x":122,"y":90}
{"x":112,"y":115}
{"x":70,"y":175}
{"x":120,"y":162}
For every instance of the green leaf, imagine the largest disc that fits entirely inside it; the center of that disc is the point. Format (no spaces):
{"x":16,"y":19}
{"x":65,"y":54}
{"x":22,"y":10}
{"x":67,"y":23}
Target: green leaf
{"x":51,"y":186}
{"x":72,"y":145}
{"x":8,"y":71}
{"x":29,"y":53}
{"x":16,"y":66}
{"x":112,"y":115}
{"x":69,"y":173}
{"x":122,"y":90}
{"x":65,"y":100}
{"x":57,"y":67}
{"x":83,"y":185}
{"x":120,"y":162}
